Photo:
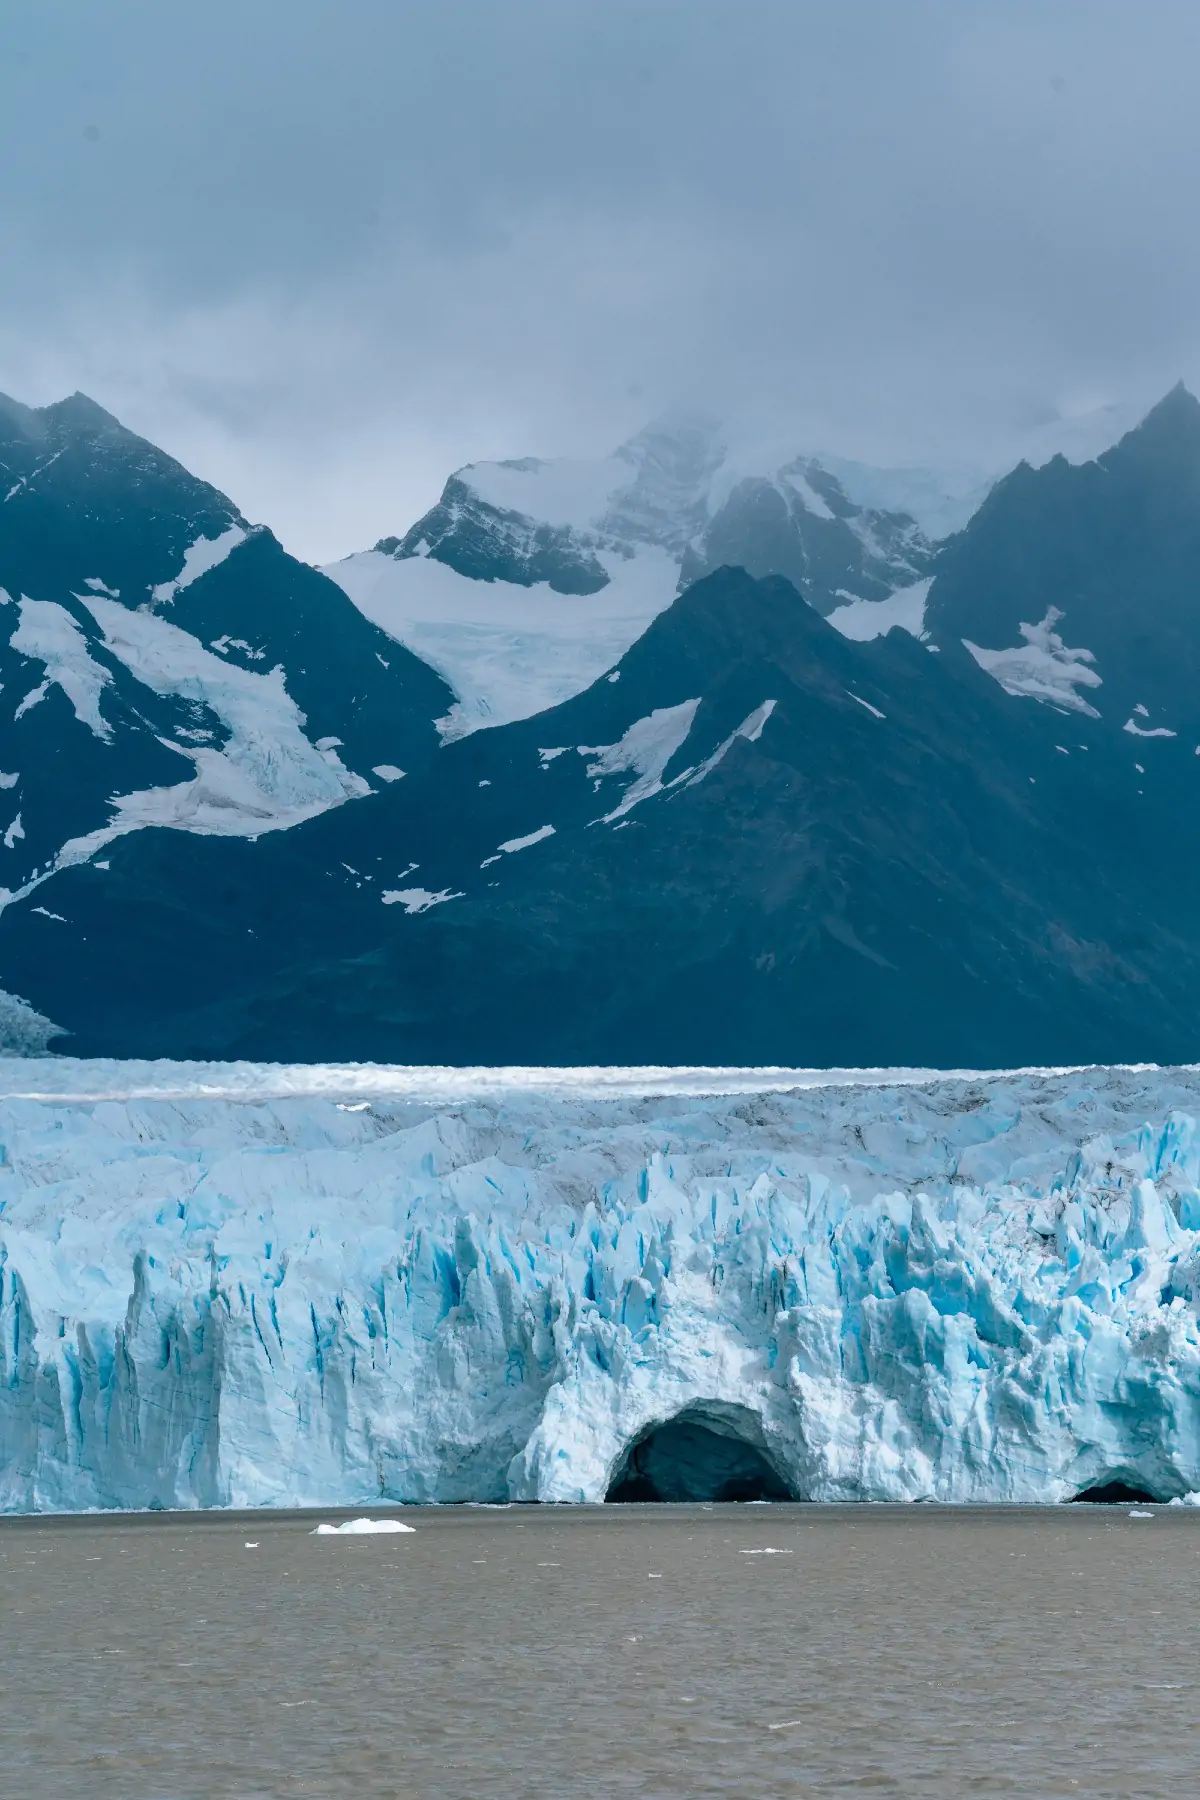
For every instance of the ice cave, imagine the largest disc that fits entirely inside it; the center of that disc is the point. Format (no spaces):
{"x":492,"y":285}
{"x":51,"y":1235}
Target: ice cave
{"x":703,"y":1453}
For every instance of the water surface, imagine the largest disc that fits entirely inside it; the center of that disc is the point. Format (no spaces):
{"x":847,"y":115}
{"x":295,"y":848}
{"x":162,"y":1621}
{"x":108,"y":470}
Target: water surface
{"x":545,"y":1653}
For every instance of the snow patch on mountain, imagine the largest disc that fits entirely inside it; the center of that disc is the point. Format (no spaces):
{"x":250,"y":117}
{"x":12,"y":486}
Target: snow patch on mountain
{"x":644,"y":751}
{"x":1043,"y":668}
{"x":539,"y":836}
{"x":266,"y":777}
{"x":48,"y":634}
{"x":750,"y":729}
{"x":267,"y":755}
{"x":416,"y":900}
{"x":198,"y":559}
{"x":863,"y":620}
{"x":508,"y":651}
{"x":1153,"y":731}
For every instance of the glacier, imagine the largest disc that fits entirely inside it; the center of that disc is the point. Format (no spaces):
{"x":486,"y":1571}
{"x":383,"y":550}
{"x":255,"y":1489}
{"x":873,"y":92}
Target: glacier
{"x":244,"y":1285}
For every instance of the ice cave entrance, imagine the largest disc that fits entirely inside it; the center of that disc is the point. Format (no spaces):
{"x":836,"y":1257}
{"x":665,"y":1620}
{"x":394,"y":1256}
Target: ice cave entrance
{"x":703,"y":1453}
{"x":1118,"y":1493}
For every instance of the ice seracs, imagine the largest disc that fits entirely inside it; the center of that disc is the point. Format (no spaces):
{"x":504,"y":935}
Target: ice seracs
{"x":965,"y":1289}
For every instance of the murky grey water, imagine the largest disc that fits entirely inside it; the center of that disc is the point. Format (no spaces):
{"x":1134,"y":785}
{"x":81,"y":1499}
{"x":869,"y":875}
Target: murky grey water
{"x":647,"y":1652}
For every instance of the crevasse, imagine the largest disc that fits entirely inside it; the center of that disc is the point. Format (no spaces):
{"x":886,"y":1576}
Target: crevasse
{"x":973,"y":1289}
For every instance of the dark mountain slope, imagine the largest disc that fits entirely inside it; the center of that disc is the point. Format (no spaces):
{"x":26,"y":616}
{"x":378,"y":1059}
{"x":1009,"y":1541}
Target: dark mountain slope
{"x":1109,"y":553}
{"x":940,"y":884}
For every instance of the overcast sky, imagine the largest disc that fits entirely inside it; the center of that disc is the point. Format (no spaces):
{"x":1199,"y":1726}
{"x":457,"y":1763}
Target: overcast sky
{"x":325,"y":250}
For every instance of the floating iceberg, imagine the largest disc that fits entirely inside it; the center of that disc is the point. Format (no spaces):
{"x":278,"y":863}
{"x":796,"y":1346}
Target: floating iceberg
{"x":362,"y":1528}
{"x":962,"y":1289}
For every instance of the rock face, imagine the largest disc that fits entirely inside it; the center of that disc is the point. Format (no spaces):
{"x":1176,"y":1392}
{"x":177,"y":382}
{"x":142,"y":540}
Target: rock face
{"x":964,"y":1290}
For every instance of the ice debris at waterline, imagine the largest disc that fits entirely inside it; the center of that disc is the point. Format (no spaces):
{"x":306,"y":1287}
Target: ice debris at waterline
{"x":362,"y":1528}
{"x":976,"y":1288}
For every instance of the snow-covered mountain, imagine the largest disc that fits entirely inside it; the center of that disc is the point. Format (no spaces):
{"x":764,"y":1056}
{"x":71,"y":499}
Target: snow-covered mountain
{"x":752,"y":834}
{"x":530,"y":578}
{"x":164,"y":662}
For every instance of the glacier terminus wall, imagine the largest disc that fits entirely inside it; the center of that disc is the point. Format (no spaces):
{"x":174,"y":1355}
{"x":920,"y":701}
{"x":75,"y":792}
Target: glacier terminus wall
{"x":272,"y":1287}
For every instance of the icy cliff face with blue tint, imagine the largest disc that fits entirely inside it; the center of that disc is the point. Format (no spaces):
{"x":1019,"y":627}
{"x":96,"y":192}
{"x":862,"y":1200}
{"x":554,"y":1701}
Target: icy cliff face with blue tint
{"x":973,"y":1289}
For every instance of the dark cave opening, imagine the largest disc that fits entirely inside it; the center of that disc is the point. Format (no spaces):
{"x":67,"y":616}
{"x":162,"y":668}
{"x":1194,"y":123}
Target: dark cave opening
{"x":1116,"y":1493}
{"x":697,"y":1457}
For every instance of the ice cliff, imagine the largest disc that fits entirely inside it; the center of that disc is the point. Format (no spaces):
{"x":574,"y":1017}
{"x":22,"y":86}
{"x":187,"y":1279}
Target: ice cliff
{"x":286,"y":1293}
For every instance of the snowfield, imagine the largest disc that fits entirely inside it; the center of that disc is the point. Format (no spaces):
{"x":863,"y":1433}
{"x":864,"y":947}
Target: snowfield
{"x":242,"y":1285}
{"x":508,"y":651}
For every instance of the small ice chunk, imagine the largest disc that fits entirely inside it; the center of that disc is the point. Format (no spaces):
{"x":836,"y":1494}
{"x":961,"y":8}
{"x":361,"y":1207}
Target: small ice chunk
{"x":388,"y":772}
{"x":362,"y":1528}
{"x":1135,"y":1513}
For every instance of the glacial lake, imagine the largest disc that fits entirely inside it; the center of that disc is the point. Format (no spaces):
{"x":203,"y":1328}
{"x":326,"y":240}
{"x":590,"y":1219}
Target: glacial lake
{"x":664,"y":1653}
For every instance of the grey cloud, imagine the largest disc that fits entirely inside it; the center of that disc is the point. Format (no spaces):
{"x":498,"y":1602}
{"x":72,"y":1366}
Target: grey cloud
{"x":323,"y":252}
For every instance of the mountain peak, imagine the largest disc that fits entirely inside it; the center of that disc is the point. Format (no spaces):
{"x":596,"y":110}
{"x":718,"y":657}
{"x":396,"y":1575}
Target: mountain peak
{"x":78,"y":412}
{"x":1170,"y":428}
{"x":75,"y":416}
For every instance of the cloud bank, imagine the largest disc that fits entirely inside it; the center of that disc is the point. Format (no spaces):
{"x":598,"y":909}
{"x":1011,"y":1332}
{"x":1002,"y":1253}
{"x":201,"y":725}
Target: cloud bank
{"x":325,"y":253}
